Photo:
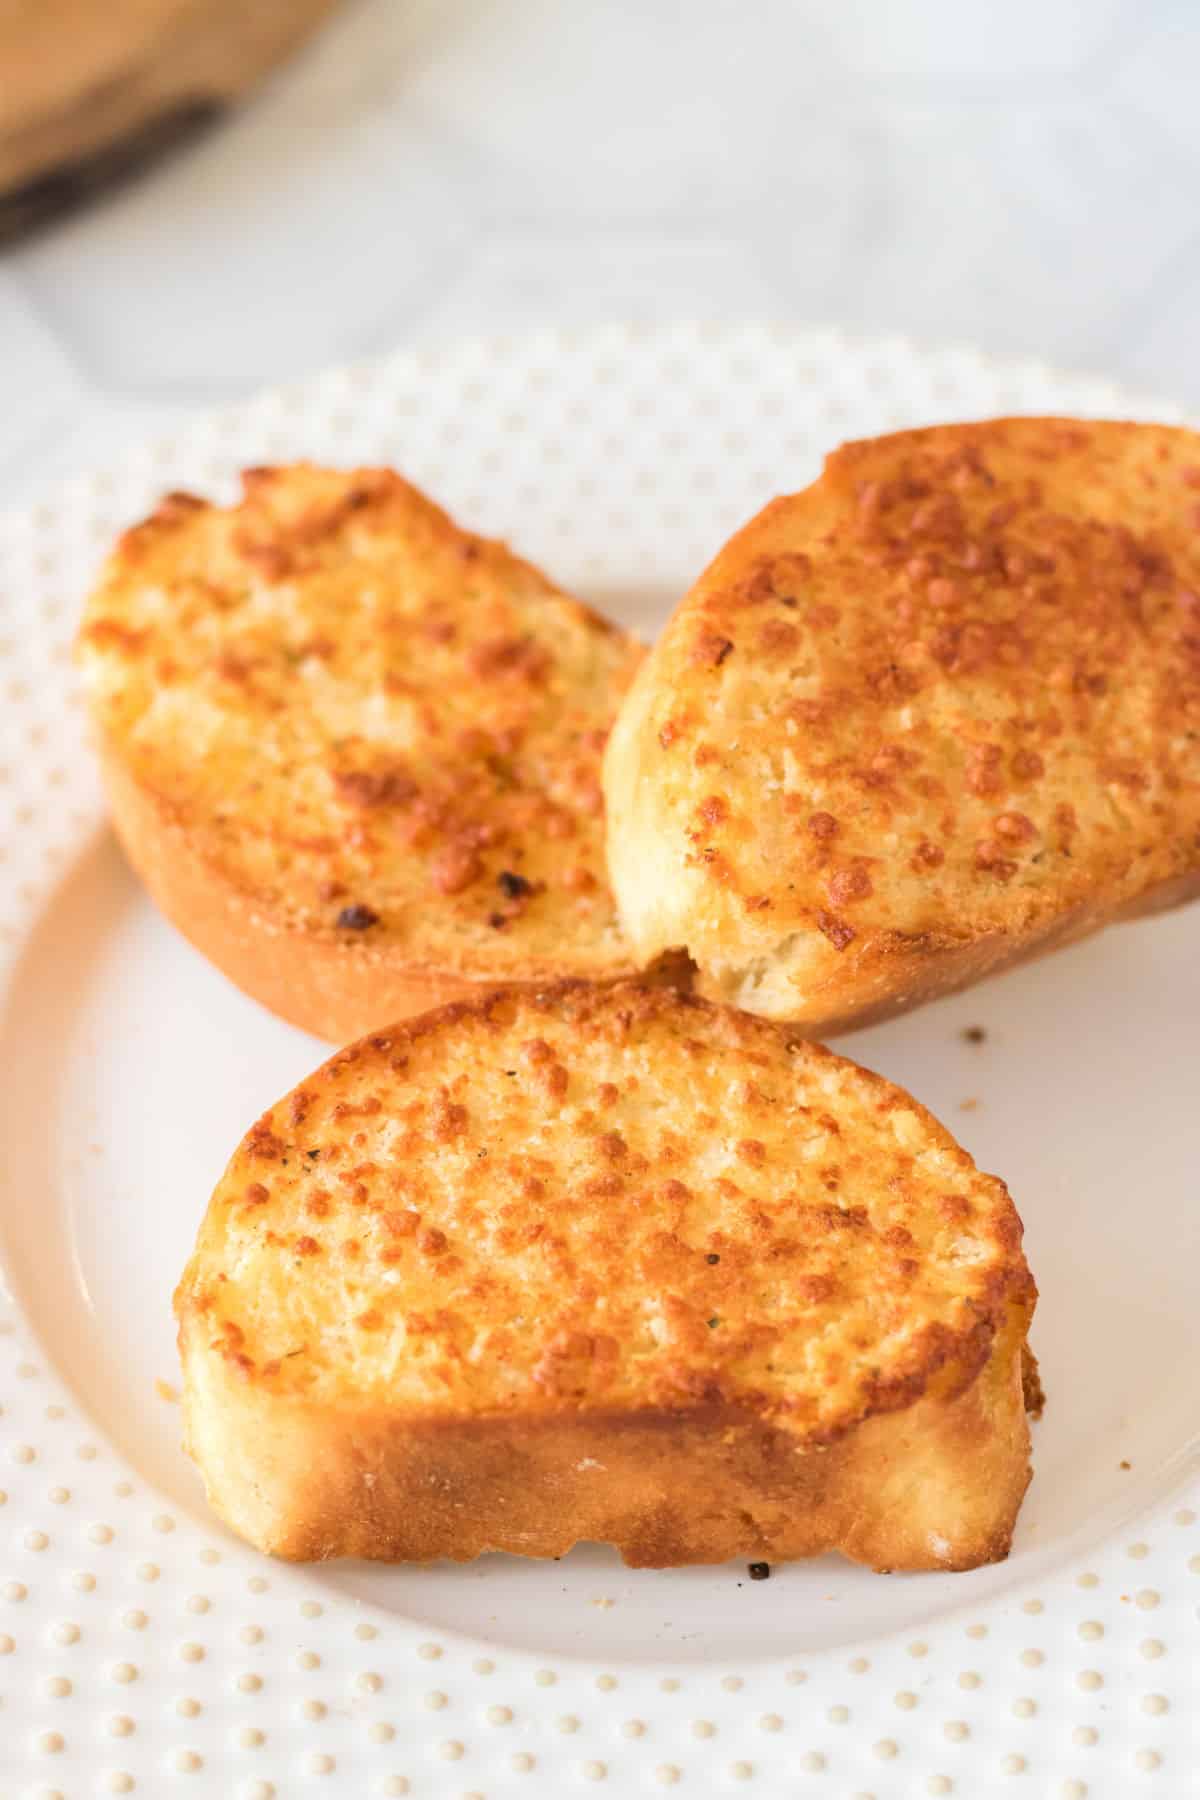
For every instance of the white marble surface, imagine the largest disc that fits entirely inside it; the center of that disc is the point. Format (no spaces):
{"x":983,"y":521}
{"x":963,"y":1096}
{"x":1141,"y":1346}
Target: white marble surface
{"x":1025,"y":177}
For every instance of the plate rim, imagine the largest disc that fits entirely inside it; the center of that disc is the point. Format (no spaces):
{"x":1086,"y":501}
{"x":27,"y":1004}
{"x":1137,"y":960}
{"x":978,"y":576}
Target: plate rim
{"x":81,"y":490}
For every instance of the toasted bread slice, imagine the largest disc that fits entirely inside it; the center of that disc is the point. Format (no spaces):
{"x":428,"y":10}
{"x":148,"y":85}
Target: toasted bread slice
{"x":609,"y":1264}
{"x":354,"y":751}
{"x":937,"y":713}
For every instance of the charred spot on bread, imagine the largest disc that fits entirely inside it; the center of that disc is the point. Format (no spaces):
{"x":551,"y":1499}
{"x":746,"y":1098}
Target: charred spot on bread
{"x":357,"y":918}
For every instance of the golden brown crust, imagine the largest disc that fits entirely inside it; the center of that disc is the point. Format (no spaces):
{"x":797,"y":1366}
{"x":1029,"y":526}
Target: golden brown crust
{"x":614,"y":1219}
{"x":354,"y":751}
{"x":938,"y":713}
{"x":936,"y":1486}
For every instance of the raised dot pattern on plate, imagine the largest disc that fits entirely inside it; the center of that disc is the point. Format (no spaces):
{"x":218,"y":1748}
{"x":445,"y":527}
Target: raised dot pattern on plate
{"x":137,"y":1655}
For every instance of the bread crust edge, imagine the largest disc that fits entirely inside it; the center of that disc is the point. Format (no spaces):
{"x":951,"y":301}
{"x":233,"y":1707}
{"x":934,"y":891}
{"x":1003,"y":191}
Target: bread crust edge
{"x":935,"y":1485}
{"x":334,"y":989}
{"x":894,"y":974}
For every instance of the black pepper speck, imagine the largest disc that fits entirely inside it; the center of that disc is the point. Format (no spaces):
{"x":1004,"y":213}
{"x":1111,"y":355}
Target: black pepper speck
{"x":513,"y":887}
{"x":357,"y":918}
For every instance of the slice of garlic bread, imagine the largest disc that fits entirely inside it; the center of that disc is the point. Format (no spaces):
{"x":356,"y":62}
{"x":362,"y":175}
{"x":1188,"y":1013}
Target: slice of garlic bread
{"x":353,"y":750}
{"x":937,"y":713}
{"x":607,"y":1263}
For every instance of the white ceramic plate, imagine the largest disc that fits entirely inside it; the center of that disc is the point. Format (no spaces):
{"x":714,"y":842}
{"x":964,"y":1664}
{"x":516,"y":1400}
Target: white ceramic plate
{"x":142,"y":1649}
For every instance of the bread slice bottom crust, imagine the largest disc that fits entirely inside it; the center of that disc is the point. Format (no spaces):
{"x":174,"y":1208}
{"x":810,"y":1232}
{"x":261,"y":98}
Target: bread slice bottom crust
{"x":933,"y":1485}
{"x":891,"y":976}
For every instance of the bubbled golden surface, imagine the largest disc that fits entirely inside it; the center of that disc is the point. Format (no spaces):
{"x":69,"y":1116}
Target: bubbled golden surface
{"x":363,"y":727}
{"x":937,"y":712}
{"x":592,"y":1199}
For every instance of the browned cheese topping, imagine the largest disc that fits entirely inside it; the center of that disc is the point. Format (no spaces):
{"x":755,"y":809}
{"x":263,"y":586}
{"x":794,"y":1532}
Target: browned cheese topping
{"x":378,"y":726}
{"x":605,"y":1196}
{"x":949,"y":689}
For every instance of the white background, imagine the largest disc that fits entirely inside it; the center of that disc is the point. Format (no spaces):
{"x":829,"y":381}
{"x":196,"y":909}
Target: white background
{"x":1023,"y":176}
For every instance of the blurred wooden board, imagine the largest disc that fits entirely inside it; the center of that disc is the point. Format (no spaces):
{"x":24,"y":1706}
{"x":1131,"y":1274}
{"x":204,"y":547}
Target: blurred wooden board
{"x":82,"y":80}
